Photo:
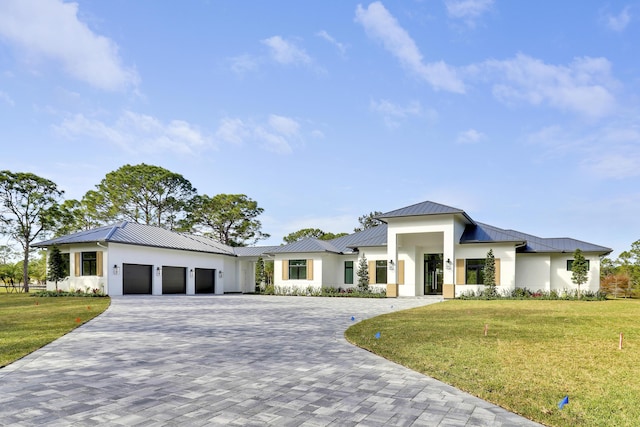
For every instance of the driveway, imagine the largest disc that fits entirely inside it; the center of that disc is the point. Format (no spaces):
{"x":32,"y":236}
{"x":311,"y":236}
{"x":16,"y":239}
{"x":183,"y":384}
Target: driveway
{"x":230,"y":360}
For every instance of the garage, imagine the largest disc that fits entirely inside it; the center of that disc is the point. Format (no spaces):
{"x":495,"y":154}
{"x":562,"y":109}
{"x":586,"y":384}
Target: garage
{"x":205,"y":281}
{"x":136,"y":279}
{"x":174,"y":280}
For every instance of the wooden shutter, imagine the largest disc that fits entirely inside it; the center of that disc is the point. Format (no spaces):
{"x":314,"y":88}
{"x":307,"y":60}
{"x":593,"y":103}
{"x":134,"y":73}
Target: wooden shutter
{"x":497,"y":260}
{"x":309,"y":269}
{"x":460,"y":272}
{"x":76,"y":266}
{"x":99,"y":263}
{"x":285,"y":269}
{"x":372,"y":272}
{"x":400,"y":272}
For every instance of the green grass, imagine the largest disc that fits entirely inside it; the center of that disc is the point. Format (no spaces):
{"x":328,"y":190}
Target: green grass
{"x":534,"y":354}
{"x":28,"y":323}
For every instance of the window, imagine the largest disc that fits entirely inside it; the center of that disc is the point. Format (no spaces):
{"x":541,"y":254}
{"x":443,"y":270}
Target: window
{"x":475,"y":272}
{"x":65,"y":264}
{"x":381,"y":272}
{"x":89,"y":263}
{"x":298,"y":269}
{"x":570,"y":265}
{"x":348,"y":272}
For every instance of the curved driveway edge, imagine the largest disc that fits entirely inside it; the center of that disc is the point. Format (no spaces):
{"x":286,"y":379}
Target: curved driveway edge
{"x":237,"y":360}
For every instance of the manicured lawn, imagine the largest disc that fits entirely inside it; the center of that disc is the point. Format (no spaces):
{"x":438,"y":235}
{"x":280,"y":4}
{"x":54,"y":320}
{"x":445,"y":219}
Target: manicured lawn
{"x":28,"y":323}
{"x":534,"y":354}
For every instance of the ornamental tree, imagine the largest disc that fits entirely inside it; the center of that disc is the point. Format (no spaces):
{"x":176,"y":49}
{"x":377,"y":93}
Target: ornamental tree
{"x":579,"y":269}
{"x":489,"y":276}
{"x":363,"y":274}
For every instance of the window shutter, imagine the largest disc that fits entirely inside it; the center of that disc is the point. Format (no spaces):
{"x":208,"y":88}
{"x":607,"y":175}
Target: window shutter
{"x":99,"y":263}
{"x":76,"y":262}
{"x":309,"y":269}
{"x":285,"y":269}
{"x":497,"y":260}
{"x":460,"y":272}
{"x":372,"y":272}
{"x":400,"y":272}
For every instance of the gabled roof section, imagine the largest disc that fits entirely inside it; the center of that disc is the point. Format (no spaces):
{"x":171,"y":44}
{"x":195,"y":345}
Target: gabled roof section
{"x":131,"y":233}
{"x":484,"y":233}
{"x":424,"y":208}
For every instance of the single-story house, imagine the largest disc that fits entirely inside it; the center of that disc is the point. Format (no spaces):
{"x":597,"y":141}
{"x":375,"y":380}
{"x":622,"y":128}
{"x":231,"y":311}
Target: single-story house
{"x":422,"y":249}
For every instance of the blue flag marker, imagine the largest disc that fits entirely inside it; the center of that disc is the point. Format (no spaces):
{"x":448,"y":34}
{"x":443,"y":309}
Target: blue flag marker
{"x":377,"y":335}
{"x":563,"y":402}
{"x":353,"y":318}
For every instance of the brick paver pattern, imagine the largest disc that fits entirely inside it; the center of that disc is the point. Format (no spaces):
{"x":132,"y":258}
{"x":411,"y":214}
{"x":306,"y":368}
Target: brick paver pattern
{"x":237,"y":360}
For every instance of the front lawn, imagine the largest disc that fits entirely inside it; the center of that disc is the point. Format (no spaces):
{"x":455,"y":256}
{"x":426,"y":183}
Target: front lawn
{"x":28,"y":323}
{"x":534,"y":354}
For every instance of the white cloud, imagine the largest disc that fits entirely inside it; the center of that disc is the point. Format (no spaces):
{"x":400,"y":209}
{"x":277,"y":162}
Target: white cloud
{"x":326,"y":36}
{"x":393,"y":114}
{"x":610,"y":151}
{"x":6,"y":98}
{"x":50,"y":29}
{"x":584,"y":86}
{"x":381,"y":25}
{"x":286,"y":52}
{"x":276,"y":134}
{"x":618,"y":23}
{"x":468,"y":10}
{"x":243,"y":63}
{"x":134,"y":132}
{"x":470,"y":136}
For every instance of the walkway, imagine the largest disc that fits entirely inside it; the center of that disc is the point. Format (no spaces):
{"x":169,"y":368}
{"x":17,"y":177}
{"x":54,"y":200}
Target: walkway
{"x":230,"y":360}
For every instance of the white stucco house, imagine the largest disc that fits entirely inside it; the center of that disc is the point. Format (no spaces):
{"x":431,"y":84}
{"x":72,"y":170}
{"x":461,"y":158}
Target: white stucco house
{"x":422,"y":249}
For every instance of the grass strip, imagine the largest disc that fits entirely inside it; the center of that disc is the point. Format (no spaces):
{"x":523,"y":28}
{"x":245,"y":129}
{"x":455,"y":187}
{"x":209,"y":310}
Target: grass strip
{"x":534,"y":353}
{"x":28,"y":323}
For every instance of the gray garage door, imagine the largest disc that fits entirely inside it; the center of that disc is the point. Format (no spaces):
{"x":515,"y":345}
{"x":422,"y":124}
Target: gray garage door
{"x":174,"y":280}
{"x":205,"y":281}
{"x":136,"y":279}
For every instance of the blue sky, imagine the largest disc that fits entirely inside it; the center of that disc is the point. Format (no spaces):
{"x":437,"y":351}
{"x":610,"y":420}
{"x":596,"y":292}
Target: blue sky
{"x":525,"y":114}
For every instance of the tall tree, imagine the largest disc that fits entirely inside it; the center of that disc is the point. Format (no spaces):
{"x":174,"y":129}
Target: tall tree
{"x":27,"y":206}
{"x":368,"y":221}
{"x":142,"y":193}
{"x":74,"y":215}
{"x":489,"y":276}
{"x":311,"y":232}
{"x":56,"y":270}
{"x":579,"y":269}
{"x":228,"y":218}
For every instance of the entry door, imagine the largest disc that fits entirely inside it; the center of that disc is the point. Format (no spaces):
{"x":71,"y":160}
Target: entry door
{"x":433,"y":274}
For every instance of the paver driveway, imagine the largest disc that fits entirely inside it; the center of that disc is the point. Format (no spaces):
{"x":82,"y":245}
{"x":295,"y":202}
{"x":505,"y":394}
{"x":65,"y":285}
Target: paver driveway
{"x":230,"y":360}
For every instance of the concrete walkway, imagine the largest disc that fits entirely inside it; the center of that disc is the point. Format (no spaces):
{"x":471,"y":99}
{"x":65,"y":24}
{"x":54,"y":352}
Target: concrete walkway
{"x":230,"y":360}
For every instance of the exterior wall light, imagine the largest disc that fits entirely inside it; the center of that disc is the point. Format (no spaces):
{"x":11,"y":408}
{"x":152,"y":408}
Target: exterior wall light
{"x":158,"y":270}
{"x":115,"y":269}
{"x":191,"y":273}
{"x":449,"y":264}
{"x":220,"y":274}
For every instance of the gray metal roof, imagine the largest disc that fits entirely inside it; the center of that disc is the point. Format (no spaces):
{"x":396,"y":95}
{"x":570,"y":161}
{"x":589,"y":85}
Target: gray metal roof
{"x":484,"y":233}
{"x":143,"y":235}
{"x":308,"y":245}
{"x":424,"y":208}
{"x":253,"y":250}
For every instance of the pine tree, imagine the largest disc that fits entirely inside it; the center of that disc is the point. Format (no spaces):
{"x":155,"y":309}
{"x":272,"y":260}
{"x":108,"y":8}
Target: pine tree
{"x":490,"y":274}
{"x":56,"y":266}
{"x":579,"y":269}
{"x":363,"y":274}
{"x":260,"y":273}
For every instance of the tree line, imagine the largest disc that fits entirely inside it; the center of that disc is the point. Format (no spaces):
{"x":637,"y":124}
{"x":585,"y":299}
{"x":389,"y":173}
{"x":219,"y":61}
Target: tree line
{"x":32,"y":208}
{"x":621,"y":277}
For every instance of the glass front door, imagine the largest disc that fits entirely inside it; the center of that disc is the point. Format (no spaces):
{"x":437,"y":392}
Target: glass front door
{"x":433,"y":274}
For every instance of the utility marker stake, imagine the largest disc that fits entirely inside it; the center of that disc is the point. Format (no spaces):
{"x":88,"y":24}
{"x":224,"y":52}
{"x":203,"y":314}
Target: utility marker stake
{"x":620,"y":343}
{"x":486,"y":329}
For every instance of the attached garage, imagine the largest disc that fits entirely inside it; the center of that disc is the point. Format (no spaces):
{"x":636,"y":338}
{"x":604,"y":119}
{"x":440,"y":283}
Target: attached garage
{"x":136,"y":279}
{"x":205,"y":281}
{"x":174,"y":280}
